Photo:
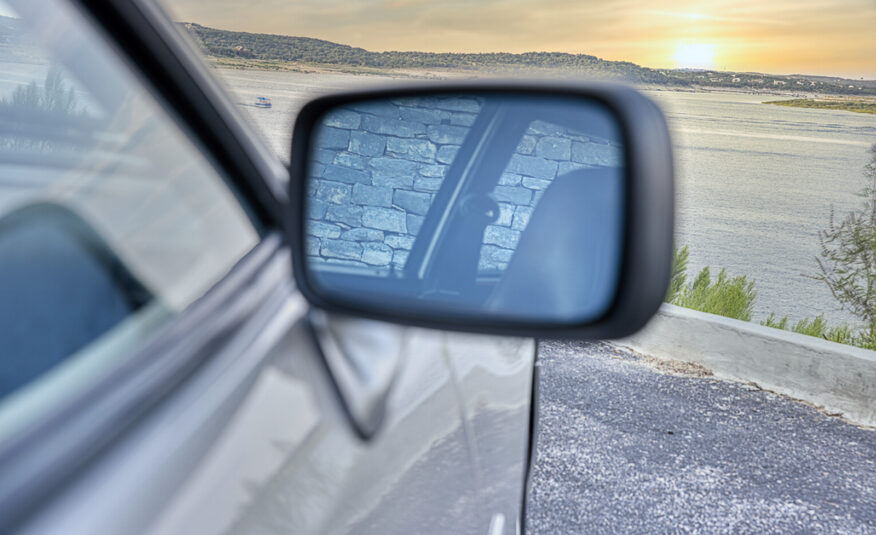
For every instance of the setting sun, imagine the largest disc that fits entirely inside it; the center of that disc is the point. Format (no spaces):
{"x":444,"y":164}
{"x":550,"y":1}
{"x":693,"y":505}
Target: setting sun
{"x":694,"y":56}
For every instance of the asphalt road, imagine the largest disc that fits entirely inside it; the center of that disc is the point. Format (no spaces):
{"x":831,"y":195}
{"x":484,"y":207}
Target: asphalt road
{"x":625,"y":448}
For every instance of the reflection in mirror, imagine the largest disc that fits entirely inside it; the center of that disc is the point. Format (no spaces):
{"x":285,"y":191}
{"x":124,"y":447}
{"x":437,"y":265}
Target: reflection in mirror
{"x":492,"y":204}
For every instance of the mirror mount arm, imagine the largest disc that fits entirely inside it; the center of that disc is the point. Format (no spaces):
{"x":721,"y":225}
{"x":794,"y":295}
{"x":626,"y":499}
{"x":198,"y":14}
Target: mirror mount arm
{"x":363,"y":358}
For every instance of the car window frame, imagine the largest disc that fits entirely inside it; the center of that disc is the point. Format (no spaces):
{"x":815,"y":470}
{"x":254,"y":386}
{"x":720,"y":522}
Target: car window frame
{"x":489,"y":162}
{"x":38,"y":461}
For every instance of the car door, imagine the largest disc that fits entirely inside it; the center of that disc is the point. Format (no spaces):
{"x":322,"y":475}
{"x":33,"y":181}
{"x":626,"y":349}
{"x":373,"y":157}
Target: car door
{"x":209,"y":398}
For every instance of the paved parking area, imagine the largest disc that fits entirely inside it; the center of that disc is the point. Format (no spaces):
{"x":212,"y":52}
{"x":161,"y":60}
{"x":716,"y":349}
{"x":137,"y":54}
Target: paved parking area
{"x":625,"y":448}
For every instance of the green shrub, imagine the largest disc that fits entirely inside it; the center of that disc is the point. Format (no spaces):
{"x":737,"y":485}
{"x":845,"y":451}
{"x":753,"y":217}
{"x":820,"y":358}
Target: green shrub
{"x":734,"y":298}
{"x":819,"y":328}
{"x":679,"y":273}
{"x":814,"y":327}
{"x":843,"y":334}
{"x":730,"y":297}
{"x":773,"y":321}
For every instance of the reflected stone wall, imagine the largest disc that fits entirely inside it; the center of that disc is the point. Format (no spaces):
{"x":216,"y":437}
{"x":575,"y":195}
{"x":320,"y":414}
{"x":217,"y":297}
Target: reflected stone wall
{"x":378,"y":167}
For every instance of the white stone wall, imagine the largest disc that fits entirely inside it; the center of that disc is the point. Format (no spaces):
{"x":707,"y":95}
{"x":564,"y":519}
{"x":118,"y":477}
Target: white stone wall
{"x":837,"y":377}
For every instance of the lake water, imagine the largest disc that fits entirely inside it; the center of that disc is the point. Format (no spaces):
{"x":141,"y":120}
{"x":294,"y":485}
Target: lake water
{"x":756,"y":182}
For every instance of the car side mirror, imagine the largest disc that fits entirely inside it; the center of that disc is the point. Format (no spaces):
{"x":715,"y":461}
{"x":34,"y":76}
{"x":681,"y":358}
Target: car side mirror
{"x":508,"y":208}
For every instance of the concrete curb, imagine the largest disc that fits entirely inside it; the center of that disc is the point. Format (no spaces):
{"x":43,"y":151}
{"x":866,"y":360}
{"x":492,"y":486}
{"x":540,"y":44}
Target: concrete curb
{"x":838,"y":378}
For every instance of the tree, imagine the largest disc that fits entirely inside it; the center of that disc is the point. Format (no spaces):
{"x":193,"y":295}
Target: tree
{"x":45,"y":109}
{"x":847,"y":262}
{"x":54,"y":96}
{"x":57,"y":96}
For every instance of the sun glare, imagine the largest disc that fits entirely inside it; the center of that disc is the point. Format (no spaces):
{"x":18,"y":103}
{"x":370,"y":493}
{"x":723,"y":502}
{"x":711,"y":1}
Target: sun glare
{"x":694,"y":56}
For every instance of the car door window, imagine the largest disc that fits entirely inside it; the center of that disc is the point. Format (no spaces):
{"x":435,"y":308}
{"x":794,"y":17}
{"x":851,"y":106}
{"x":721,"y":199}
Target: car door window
{"x":111,"y":220}
{"x":546,"y":151}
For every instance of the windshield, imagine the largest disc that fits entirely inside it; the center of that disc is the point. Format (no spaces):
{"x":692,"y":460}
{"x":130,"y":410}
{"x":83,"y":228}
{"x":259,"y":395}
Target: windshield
{"x":771,"y":109}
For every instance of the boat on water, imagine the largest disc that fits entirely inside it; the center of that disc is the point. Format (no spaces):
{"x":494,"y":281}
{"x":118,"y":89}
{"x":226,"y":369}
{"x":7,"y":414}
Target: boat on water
{"x":263,"y":102}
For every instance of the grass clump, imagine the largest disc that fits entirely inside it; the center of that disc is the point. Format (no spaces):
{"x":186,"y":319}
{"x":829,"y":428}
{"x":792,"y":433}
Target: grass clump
{"x":732,"y":297}
{"x":819,"y":328}
{"x":725,"y":296}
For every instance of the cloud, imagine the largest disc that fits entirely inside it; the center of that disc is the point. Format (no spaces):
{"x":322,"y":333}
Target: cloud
{"x":700,"y":17}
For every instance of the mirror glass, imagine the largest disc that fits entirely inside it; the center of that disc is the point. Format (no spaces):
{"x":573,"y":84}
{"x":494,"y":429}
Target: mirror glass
{"x":481,"y":205}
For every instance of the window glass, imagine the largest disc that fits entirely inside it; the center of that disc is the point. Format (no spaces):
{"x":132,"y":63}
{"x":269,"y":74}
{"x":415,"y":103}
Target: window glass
{"x":111,"y":220}
{"x":546,"y":151}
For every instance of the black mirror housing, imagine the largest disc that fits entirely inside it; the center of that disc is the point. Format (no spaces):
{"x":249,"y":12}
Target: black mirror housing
{"x":514,"y":208}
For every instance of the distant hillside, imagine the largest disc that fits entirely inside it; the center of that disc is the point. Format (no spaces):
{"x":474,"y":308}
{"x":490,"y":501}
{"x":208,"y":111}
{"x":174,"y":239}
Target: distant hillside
{"x":223,"y":43}
{"x":282,"y":48}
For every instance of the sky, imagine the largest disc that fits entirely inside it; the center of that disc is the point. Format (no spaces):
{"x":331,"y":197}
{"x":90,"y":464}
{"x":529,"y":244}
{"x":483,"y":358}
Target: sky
{"x":828,"y":37}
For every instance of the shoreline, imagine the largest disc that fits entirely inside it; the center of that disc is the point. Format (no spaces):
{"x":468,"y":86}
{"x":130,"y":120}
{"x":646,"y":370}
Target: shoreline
{"x":439,"y":74}
{"x":835,"y":103}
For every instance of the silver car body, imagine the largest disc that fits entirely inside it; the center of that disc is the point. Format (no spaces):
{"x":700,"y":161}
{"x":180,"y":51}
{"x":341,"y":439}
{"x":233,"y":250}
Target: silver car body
{"x":256,"y":435}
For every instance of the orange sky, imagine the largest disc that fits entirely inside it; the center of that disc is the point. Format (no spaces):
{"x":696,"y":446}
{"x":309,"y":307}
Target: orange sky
{"x":833,"y":37}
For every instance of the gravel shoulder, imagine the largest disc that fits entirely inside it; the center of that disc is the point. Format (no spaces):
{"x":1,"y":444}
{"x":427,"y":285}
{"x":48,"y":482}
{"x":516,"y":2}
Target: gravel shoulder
{"x":628,"y":446}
